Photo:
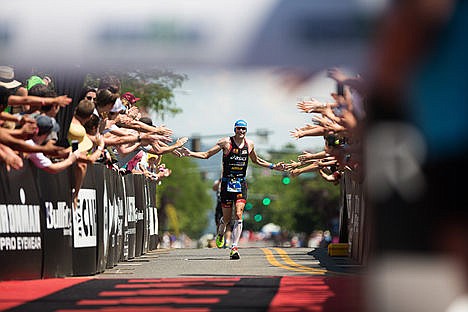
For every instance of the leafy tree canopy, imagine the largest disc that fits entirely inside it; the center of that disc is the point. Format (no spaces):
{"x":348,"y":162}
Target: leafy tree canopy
{"x":154,"y":87}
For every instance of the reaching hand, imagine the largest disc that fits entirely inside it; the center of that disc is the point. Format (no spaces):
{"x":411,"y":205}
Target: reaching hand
{"x":297,"y":133}
{"x":304,"y":156}
{"x":62,"y":100}
{"x":163,"y":130}
{"x":337,"y":75}
{"x":279,"y":166}
{"x":10,"y":158}
{"x":294,"y":172}
{"x":292,"y":165}
{"x":51,"y":148}
{"x":310,"y":106}
{"x":181,"y":141}
{"x":183,"y":151}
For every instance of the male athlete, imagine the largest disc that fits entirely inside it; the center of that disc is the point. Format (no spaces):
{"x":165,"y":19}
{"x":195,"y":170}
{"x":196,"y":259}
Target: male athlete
{"x":236,"y":152}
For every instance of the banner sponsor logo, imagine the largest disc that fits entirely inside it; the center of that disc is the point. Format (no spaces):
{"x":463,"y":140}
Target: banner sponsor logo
{"x":131,"y":211}
{"x":84,"y":220}
{"x":59,"y":217}
{"x":20,"y":219}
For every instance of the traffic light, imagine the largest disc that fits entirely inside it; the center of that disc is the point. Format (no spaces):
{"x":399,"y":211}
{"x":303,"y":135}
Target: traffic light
{"x":266,"y":201}
{"x":286,"y":180}
{"x":248,"y":206}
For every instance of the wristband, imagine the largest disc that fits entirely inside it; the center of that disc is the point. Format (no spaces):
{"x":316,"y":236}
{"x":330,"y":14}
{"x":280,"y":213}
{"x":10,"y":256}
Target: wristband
{"x":271,"y":166}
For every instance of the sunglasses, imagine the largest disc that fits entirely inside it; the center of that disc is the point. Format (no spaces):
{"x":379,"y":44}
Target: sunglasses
{"x":90,"y":98}
{"x":241,"y":128}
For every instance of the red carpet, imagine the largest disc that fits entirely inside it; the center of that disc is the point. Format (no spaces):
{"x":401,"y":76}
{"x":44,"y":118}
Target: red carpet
{"x":317,"y":294}
{"x":273,"y":294}
{"x":14,"y":293}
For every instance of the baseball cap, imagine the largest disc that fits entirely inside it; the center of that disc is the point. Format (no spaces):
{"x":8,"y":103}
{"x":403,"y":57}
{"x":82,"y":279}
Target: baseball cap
{"x":240,"y":123}
{"x":46,"y":124}
{"x":6,"y":78}
{"x":32,"y":81}
{"x":130,"y":97}
{"x":118,"y":106}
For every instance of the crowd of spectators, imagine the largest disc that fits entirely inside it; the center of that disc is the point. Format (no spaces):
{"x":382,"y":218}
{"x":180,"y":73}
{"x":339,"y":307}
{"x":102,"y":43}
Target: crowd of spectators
{"x":340,"y":123}
{"x":107,"y":127}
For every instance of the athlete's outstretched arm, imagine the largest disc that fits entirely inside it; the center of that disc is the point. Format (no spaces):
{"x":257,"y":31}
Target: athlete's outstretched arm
{"x":205,"y":155}
{"x":261,"y":162}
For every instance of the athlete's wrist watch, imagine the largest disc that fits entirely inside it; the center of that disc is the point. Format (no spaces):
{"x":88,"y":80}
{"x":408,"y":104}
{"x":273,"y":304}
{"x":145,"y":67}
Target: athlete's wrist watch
{"x":271,"y":166}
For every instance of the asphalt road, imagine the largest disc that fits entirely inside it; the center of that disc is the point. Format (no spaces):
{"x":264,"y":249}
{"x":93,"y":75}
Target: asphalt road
{"x":195,"y":280}
{"x":213,"y":262}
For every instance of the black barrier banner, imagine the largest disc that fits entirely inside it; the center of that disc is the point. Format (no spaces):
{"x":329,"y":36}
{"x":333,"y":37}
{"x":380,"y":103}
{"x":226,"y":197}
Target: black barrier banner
{"x":146,"y":217}
{"x":102,"y":214}
{"x":110,"y":205}
{"x":20,"y":225}
{"x":140,"y":204}
{"x":131,"y":217}
{"x":119,"y":206}
{"x":84,"y":225}
{"x":55,"y":194}
{"x":123,"y":219}
{"x":152,"y":216}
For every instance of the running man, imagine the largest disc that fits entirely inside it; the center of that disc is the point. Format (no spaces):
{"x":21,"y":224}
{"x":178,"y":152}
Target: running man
{"x":236,"y":152}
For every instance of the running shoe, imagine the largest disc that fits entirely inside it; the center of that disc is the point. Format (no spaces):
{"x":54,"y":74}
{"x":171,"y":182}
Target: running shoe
{"x":219,"y":241}
{"x":234,"y":253}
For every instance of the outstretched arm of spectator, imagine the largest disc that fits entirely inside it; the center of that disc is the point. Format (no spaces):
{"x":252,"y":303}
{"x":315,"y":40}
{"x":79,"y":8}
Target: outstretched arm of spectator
{"x":62,"y":165}
{"x":311,"y":106}
{"x":164,"y":148}
{"x":15,"y":100}
{"x":22,"y":146}
{"x":312,"y":167}
{"x":10,"y":158}
{"x":308,"y":156}
{"x":334,"y":177}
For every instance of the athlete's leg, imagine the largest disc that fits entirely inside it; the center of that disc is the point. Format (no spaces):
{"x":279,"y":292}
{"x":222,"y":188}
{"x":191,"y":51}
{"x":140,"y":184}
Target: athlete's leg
{"x":226,"y":218}
{"x":237,"y":228}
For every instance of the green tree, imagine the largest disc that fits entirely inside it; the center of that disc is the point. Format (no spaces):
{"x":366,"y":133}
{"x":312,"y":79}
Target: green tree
{"x":188,"y":193}
{"x":154,"y":87}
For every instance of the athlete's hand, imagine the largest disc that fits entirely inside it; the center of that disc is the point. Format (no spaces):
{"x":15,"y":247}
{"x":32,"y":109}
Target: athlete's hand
{"x":184,"y":151}
{"x":279,"y":166}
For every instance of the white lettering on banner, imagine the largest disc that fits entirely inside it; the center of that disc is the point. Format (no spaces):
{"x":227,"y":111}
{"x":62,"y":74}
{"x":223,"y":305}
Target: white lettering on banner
{"x":15,"y":218}
{"x":131,"y":209}
{"x":20,"y":243}
{"x":151,"y":220}
{"x":59,"y":218}
{"x":156,"y":221}
{"x":105,"y":238}
{"x":140,"y":216}
{"x":84,"y":219}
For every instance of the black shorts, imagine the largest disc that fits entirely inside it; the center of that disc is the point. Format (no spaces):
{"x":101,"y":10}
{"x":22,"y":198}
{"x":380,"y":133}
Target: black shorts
{"x":227,"y":197}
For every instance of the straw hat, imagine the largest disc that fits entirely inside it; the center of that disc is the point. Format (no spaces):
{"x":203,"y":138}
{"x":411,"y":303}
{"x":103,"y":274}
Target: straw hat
{"x":77,"y":132}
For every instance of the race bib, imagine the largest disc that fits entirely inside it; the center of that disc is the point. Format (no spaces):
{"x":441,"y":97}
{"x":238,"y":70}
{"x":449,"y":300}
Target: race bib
{"x":234,"y":186}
